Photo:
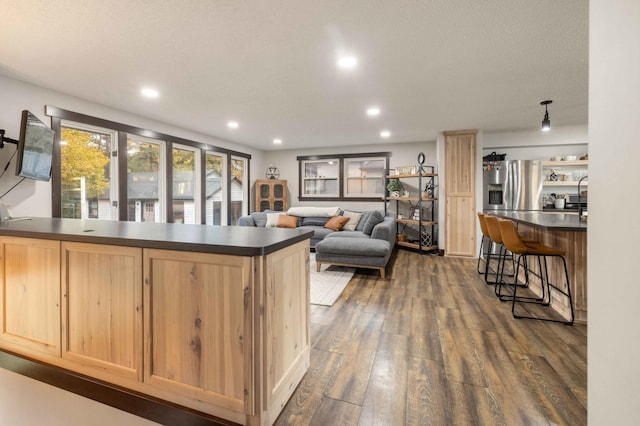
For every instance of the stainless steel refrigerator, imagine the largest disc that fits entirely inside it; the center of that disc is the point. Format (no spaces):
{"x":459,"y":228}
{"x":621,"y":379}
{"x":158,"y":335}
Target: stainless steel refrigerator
{"x":513,"y":185}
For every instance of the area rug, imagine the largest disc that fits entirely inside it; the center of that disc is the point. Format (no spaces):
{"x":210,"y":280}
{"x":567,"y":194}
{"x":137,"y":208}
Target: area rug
{"x":328,"y":284}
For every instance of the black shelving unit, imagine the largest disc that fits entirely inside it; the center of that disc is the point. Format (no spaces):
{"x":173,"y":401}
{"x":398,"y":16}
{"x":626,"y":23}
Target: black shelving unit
{"x":424,"y":203}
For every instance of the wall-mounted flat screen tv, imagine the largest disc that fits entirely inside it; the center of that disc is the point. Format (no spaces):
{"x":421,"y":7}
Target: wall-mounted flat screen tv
{"x":35,"y":148}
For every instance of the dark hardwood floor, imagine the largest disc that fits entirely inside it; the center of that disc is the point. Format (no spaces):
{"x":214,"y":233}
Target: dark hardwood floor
{"x":431,"y":344}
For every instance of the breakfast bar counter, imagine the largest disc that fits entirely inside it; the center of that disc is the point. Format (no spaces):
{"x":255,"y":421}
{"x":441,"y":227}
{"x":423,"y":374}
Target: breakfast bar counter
{"x":214,"y":319}
{"x":562,"y":231}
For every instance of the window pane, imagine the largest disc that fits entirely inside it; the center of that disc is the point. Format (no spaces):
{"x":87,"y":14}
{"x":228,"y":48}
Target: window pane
{"x":238,"y":178}
{"x":215,"y":189}
{"x":184,"y":186}
{"x":143,"y":181}
{"x":320,"y":178}
{"x":364,"y":177}
{"x":86,"y":174}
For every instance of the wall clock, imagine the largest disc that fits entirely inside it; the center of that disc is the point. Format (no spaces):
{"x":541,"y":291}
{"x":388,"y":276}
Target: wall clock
{"x":272,"y":172}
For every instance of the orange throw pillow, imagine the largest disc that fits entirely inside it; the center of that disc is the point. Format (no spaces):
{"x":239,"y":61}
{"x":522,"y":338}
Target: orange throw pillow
{"x":285,"y":221}
{"x":336,"y":222}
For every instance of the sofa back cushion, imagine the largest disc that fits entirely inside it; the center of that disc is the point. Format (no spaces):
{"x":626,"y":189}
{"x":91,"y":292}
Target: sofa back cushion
{"x":374,"y":218}
{"x":260,"y":218}
{"x":314,"y":221}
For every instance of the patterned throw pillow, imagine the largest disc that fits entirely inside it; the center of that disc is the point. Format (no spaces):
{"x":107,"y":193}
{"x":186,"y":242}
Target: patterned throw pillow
{"x":336,"y":223}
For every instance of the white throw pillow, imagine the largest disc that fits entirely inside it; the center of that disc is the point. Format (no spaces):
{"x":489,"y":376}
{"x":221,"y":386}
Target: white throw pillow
{"x":354,"y":218}
{"x":272,"y":219}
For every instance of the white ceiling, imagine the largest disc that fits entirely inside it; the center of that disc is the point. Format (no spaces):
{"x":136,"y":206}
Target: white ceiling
{"x":430,"y":65}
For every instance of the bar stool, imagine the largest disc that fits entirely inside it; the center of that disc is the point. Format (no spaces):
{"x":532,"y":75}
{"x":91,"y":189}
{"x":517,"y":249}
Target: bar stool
{"x":493,"y":229}
{"x":525,"y":249}
{"x":485,"y":237}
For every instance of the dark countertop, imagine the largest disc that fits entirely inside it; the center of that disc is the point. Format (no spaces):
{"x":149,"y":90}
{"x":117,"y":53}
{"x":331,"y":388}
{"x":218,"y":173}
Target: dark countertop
{"x":548,"y":221}
{"x":233,"y":240}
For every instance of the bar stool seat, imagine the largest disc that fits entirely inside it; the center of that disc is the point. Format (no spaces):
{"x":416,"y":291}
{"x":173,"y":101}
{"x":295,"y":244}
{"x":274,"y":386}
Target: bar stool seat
{"x":524,"y":249}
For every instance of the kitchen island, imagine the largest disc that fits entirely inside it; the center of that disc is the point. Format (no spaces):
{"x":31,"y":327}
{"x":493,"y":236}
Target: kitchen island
{"x":566,"y":232}
{"x":214,"y":319}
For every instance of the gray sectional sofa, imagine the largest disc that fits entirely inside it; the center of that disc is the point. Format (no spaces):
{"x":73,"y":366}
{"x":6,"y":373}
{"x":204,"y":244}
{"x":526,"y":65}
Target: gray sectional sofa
{"x":369,"y":245}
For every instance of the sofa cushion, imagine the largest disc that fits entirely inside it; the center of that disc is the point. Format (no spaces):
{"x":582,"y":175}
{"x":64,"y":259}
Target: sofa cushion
{"x":314,"y":221}
{"x":336,"y":222}
{"x":285,"y":221}
{"x":374,"y":218}
{"x":318,"y":231}
{"x":353,"y":247}
{"x":260,"y":218}
{"x":363,"y":220}
{"x":353,"y":234}
{"x":354,"y":218}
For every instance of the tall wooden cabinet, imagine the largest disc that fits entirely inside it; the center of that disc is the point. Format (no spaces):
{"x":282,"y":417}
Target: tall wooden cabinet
{"x":271,"y":194}
{"x":460,"y":200}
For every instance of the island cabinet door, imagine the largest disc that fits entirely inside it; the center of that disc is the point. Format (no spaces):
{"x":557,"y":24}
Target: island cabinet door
{"x":30,"y":296}
{"x":102,"y":310}
{"x":198,"y":328}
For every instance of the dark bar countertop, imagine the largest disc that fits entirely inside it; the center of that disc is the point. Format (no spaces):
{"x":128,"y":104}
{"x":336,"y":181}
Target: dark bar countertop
{"x":233,"y":240}
{"x":548,"y":221}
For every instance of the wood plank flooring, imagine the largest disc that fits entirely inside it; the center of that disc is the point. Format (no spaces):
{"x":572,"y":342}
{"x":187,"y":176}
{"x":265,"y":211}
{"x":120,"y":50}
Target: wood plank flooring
{"x":432,"y":345}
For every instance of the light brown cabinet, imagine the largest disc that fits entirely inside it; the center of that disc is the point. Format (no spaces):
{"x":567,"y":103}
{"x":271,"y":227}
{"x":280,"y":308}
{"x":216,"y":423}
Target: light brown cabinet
{"x":30,"y":296}
{"x":198,"y":322}
{"x":102,"y":308}
{"x":460,"y":201}
{"x":226,"y":335}
{"x":271,"y":194}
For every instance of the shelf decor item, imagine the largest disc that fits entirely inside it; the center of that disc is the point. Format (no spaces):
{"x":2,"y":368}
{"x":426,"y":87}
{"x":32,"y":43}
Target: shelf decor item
{"x":394,"y":186}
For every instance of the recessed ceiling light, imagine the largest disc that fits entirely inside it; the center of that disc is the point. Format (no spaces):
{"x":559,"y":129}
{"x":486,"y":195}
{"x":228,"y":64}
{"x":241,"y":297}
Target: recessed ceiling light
{"x":385,"y":134}
{"x":150,"y":92}
{"x":232,"y":124}
{"x":347,"y":62}
{"x":373,"y":111}
{"x":277,"y":141}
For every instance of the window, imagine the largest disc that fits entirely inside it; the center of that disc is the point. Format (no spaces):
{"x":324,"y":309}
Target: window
{"x":215,"y":188}
{"x":364,"y":177}
{"x":239,"y":200}
{"x":338,"y":177}
{"x":321,"y":178}
{"x":86,"y":189}
{"x":156,"y":177}
{"x":186,"y":205}
{"x":145,"y":182}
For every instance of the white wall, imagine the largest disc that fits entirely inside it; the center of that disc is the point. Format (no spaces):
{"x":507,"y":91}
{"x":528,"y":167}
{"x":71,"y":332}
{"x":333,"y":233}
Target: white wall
{"x":33,"y":198}
{"x":614,"y":229}
{"x":403,"y":154}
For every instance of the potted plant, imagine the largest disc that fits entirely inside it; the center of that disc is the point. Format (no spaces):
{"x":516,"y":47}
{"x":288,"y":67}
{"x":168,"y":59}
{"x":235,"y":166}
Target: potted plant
{"x":394,"y":186}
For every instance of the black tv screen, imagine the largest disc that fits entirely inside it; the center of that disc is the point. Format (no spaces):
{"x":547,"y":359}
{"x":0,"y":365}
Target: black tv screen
{"x":35,"y":148}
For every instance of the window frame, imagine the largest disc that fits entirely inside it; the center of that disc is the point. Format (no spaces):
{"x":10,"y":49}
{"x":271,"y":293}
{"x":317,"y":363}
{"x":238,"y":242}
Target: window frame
{"x":58,"y":115}
{"x":342,"y":193}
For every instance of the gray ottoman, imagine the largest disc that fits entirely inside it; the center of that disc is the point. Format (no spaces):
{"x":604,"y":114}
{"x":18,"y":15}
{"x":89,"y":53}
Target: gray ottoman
{"x":359,"y":252}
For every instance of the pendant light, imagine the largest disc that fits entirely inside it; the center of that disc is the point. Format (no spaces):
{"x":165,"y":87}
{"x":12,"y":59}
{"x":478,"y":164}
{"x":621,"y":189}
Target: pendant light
{"x":546,"y":123}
